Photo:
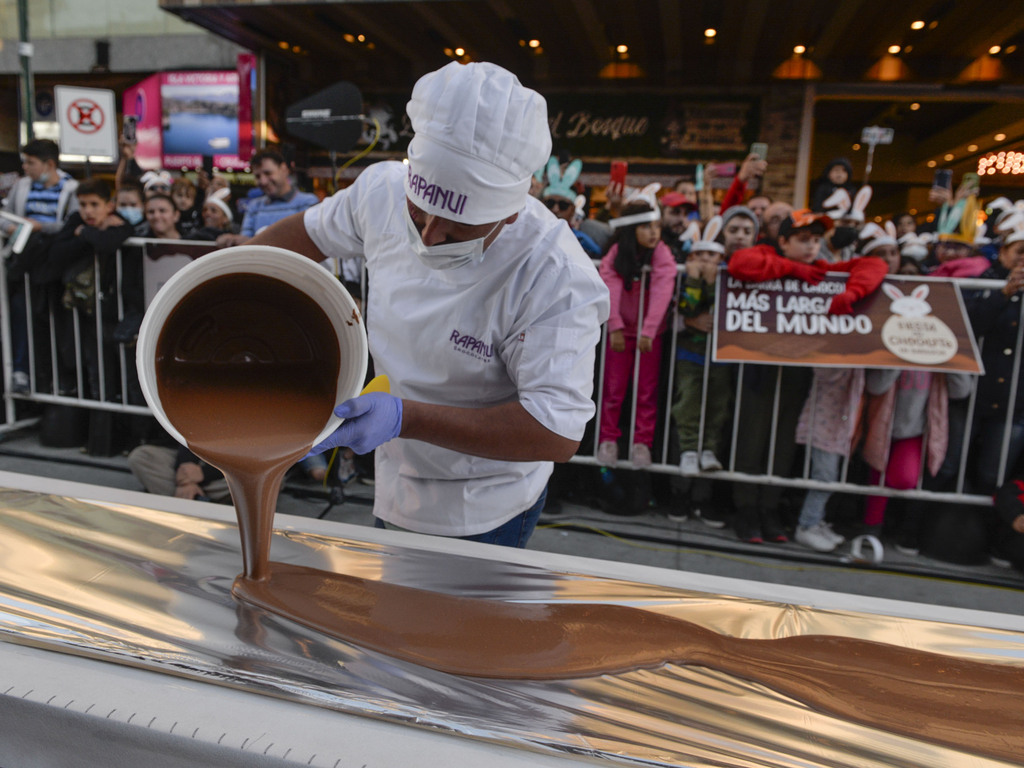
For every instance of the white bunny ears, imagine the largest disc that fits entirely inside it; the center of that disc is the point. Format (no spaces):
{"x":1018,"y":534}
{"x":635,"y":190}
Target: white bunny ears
{"x":843,"y":208}
{"x":707,"y":242}
{"x":649,"y":195}
{"x":559,"y":184}
{"x":1010,"y":221}
{"x":915,"y":245}
{"x":876,"y":236}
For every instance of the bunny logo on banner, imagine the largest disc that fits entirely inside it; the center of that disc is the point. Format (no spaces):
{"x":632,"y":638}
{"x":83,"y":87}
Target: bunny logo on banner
{"x":913,"y":333}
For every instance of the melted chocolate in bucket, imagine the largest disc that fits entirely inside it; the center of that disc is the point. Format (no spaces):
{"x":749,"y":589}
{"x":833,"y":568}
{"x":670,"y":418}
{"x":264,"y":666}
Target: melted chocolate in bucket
{"x":246,"y":371}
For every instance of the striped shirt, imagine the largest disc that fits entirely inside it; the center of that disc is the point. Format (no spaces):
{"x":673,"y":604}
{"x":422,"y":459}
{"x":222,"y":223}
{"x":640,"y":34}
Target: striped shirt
{"x":42,"y":201}
{"x":264,"y":211}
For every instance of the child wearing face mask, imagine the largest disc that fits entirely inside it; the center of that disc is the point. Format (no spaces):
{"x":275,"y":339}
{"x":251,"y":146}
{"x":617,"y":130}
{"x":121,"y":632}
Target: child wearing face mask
{"x":637,"y":244}
{"x":130,"y":199}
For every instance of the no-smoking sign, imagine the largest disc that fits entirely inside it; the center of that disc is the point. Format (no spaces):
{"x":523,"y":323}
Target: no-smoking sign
{"x":87,"y":121}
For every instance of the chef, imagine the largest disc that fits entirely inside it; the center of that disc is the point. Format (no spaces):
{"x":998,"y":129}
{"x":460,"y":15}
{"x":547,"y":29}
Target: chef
{"x":483,"y":311}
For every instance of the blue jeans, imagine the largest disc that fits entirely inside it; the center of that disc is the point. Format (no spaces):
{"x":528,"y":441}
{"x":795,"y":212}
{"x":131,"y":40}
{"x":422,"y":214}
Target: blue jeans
{"x":514,"y":533}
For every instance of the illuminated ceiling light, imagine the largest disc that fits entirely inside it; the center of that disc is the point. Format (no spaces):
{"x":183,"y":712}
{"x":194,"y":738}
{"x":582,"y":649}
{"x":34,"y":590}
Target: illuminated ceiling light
{"x":535,"y":43}
{"x":914,"y":107}
{"x":796,"y":67}
{"x":933,"y":24}
{"x":709,"y":32}
{"x":985,"y":68}
{"x":972,"y":147}
{"x":995,"y":49}
{"x":912,"y":211}
{"x":948,"y":156}
{"x":522,"y":43}
{"x":621,"y":70}
{"x":1000,"y":137}
{"x":932,"y":163}
{"x":361,"y":38}
{"x":917,"y":25}
{"x":460,"y":52}
{"x":349,"y":38}
{"x":799,"y":49}
{"x":894,"y":49}
{"x":856,"y":147}
{"x":888,"y":68}
{"x":283,"y":45}
{"x":622,"y":49}
{"x":296,"y":49}
{"x":908,"y":48}
{"x":1010,"y":49}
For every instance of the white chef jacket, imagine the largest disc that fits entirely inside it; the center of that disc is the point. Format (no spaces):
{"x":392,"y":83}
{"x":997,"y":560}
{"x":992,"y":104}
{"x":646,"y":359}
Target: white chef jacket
{"x":521,"y":325}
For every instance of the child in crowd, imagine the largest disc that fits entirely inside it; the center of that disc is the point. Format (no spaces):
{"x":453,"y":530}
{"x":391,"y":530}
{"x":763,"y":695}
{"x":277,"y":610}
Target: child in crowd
{"x":162,"y":216}
{"x":217,"y":218}
{"x":696,"y":304}
{"x":130,"y":203}
{"x":637,"y":244}
{"x":830,"y":418}
{"x":796,"y":255}
{"x":838,"y":174}
{"x":183,"y":193}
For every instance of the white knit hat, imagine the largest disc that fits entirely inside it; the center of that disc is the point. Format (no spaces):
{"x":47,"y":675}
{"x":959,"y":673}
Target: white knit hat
{"x":479,"y":136}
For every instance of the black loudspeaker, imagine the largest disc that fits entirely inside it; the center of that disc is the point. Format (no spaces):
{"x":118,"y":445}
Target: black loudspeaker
{"x":64,"y":426}
{"x":331,"y":118}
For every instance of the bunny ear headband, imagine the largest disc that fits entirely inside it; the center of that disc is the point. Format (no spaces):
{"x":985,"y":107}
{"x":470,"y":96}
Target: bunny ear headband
{"x":559,"y":185}
{"x":649,"y":195}
{"x":707,"y":242}
{"x":914,"y":245}
{"x":877,"y":237}
{"x":844,"y":209}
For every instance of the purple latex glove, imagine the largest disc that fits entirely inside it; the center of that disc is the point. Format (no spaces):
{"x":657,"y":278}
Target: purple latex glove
{"x":370,"y":420}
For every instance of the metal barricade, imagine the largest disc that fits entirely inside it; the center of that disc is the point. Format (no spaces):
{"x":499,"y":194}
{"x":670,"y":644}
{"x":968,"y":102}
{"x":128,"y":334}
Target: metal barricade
{"x":588,"y":452}
{"x":111,"y":393}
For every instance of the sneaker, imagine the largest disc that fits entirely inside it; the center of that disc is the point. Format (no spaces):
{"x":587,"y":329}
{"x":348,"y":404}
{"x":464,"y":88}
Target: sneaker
{"x":346,"y":471}
{"x":689,"y":465}
{"x":20,"y":384}
{"x":608,"y":454}
{"x":908,"y":549}
{"x":709,"y":462}
{"x":771,"y":528}
{"x":999,"y":562}
{"x":816,"y":537}
{"x":641,"y":456}
{"x":747,"y":524}
{"x":837,"y":538}
{"x":709,"y":518}
{"x":677,"y":516}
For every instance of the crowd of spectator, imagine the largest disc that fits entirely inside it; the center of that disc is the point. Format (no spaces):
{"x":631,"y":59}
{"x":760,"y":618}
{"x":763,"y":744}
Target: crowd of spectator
{"x":661,"y":253}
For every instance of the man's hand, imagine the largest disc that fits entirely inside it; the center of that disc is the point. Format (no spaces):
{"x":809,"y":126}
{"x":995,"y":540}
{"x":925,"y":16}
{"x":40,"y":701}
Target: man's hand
{"x":1014,"y":282}
{"x":189,"y":491}
{"x":188,"y":473}
{"x":617,"y":341}
{"x":645,"y":344}
{"x":939,"y":195}
{"x":227,"y":240}
{"x":370,"y":420}
{"x":753,"y":167}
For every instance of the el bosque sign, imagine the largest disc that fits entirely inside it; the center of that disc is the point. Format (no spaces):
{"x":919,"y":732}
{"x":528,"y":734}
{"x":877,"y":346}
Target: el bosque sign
{"x":602,"y":125}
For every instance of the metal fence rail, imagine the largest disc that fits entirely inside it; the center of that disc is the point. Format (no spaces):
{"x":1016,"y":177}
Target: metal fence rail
{"x":108,"y":383}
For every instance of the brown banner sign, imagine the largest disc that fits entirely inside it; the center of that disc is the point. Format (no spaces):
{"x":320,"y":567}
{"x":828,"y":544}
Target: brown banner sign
{"x":907,"y":323}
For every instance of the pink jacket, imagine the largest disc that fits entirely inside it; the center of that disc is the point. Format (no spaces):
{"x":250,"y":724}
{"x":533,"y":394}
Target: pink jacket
{"x":970,"y":266}
{"x":625,"y":305}
{"x":880,"y":415}
{"x":831,"y":414}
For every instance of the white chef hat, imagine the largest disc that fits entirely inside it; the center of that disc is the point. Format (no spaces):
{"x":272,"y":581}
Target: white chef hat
{"x":479,"y":136}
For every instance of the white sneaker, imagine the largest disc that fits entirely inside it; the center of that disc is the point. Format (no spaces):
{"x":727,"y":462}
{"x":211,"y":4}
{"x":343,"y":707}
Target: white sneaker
{"x":641,"y":456}
{"x":608,"y":454}
{"x":837,"y":538}
{"x":815,"y":537}
{"x":689,"y":464}
{"x":20,"y":384}
{"x":709,"y":462}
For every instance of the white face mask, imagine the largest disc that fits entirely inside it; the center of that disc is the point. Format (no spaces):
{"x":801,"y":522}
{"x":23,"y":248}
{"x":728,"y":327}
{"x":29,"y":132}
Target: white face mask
{"x":448,"y":255}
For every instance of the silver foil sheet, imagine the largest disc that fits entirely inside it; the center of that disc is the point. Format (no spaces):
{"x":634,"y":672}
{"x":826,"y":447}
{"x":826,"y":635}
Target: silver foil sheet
{"x":151,"y":589}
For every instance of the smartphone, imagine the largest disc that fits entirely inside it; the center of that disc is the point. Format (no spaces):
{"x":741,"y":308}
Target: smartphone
{"x":760,"y":149}
{"x":618,"y":172}
{"x":128,"y":129}
{"x":943,"y":178}
{"x":724,"y":169}
{"x":972,"y":182}
{"x":208,"y":166}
